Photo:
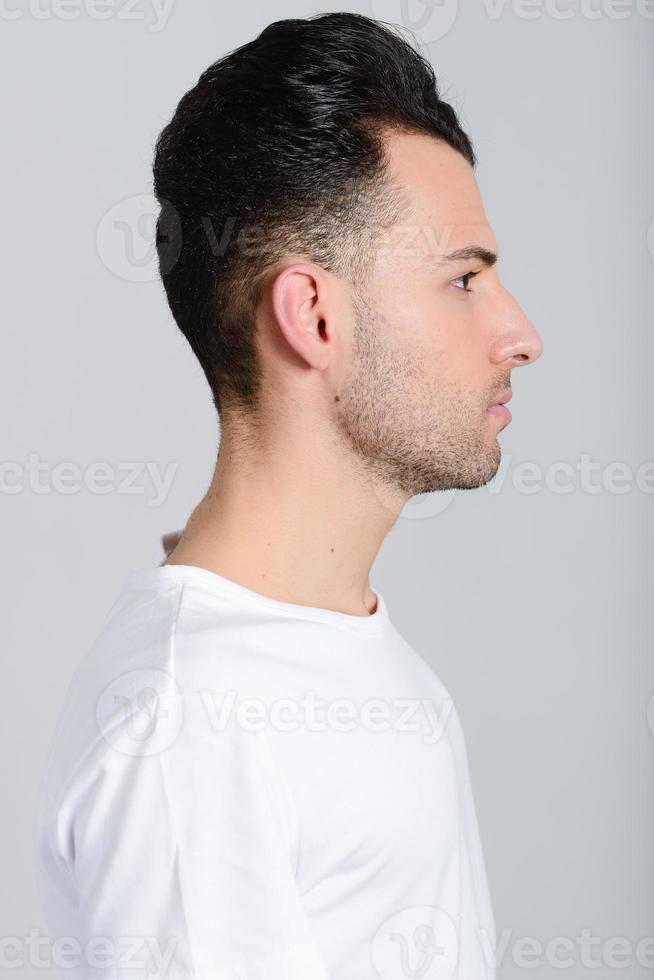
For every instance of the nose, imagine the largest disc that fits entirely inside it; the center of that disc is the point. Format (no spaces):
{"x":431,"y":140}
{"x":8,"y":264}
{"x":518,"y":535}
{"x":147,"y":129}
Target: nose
{"x":515,"y":342}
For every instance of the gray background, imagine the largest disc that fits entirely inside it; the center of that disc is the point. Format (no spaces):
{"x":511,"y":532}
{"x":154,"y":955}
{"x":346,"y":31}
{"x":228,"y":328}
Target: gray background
{"x":530,"y":603}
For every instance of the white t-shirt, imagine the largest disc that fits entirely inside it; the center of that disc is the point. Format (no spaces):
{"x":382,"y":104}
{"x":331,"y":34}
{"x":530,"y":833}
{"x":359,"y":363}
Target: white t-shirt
{"x":247,"y":789}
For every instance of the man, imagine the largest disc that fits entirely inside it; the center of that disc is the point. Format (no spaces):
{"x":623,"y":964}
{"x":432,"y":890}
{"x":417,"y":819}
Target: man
{"x":254,"y":775}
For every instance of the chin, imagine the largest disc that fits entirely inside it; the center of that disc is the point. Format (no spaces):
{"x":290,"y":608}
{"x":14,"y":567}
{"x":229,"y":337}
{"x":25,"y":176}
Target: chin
{"x":487,"y":466}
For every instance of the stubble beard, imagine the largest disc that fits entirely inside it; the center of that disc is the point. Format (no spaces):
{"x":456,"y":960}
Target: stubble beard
{"x":411,"y":434}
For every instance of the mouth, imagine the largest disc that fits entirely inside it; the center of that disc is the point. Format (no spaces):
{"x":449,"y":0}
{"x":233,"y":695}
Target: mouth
{"x":498,"y":407}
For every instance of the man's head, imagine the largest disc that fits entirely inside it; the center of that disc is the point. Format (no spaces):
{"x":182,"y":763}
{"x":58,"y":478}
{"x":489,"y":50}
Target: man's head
{"x":311,"y":184}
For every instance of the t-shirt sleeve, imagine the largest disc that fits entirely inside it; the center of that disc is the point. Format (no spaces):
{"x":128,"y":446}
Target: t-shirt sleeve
{"x":184,"y":857}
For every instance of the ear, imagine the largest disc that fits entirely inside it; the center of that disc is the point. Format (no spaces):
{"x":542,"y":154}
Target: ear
{"x":300,"y":301}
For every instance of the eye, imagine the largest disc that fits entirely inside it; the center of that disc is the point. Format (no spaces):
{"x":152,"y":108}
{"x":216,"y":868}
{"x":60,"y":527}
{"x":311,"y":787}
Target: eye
{"x":465,"y":280}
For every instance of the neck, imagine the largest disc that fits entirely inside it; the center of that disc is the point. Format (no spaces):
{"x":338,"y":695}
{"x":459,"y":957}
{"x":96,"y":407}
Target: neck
{"x":294,"y":519}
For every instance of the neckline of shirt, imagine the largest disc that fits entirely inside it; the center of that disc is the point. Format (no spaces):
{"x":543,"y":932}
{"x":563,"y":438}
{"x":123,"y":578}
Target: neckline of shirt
{"x":215,"y":584}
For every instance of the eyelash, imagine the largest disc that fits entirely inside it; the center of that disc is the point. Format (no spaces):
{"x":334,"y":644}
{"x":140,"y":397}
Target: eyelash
{"x":466,"y":275}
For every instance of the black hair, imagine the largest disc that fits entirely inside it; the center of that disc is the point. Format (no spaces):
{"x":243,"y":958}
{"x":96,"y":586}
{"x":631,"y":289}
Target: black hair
{"x":278,"y":149}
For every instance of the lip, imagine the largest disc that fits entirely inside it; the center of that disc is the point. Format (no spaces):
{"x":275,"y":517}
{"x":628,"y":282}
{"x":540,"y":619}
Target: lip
{"x":498,"y":407}
{"x":500,"y":410}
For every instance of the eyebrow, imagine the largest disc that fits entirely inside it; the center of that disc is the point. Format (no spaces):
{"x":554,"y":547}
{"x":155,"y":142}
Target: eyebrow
{"x":477,"y":252}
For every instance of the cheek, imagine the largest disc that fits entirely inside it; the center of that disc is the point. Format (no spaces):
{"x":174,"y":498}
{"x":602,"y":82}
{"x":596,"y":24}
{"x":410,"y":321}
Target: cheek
{"x":415,"y":324}
{"x":457,"y":342}
{"x":433,"y":332}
